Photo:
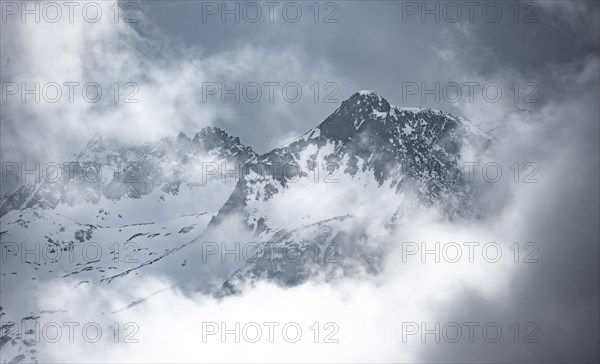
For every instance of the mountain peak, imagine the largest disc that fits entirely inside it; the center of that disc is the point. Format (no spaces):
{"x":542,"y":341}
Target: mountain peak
{"x":214,"y":136}
{"x":351,"y":115}
{"x":98,"y":144}
{"x":367,"y":100}
{"x":368,"y":93}
{"x":96,"y":140}
{"x":211,"y":137}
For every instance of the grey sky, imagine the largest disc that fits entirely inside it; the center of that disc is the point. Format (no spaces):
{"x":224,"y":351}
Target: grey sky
{"x":377,"y":45}
{"x":171,"y":52}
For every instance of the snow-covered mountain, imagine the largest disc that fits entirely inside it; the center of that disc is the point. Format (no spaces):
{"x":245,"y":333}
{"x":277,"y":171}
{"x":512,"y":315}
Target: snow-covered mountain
{"x":368,"y":156}
{"x":369,"y":164}
{"x":167,"y":200}
{"x":109,"y":171}
{"x":365,"y":145}
{"x":149,"y":203}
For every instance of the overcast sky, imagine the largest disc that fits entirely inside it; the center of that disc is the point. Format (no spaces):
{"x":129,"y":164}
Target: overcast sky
{"x":179,"y":48}
{"x":176,"y":47}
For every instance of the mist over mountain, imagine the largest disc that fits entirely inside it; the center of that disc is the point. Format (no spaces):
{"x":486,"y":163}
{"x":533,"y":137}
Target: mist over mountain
{"x":163,"y":199}
{"x":200,"y":181}
{"x":329,"y":206}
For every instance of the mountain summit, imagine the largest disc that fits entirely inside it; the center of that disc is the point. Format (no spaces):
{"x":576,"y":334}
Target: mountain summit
{"x":365,"y":145}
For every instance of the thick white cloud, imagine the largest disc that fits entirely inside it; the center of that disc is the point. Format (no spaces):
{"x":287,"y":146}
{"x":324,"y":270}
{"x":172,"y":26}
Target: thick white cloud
{"x":558,"y":213}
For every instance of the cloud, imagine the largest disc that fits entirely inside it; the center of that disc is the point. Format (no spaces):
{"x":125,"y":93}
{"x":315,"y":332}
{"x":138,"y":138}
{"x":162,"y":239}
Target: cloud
{"x":553,"y":300}
{"x":559,"y":213}
{"x":151,"y":86}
